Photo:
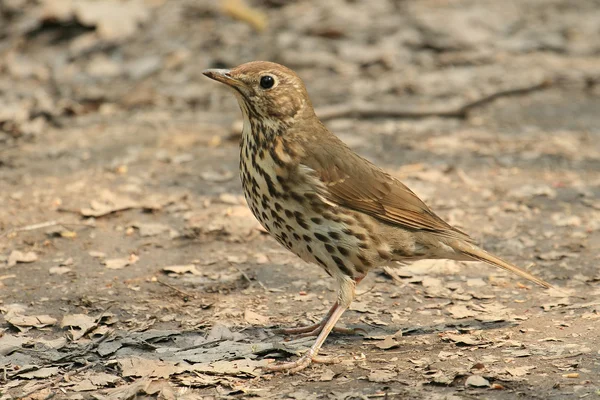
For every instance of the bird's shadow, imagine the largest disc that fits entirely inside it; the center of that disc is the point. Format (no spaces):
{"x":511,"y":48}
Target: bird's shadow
{"x":378,"y":332}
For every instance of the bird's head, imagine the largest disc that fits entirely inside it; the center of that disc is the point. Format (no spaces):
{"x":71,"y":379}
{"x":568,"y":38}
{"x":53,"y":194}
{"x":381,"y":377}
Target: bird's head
{"x":266,"y":91}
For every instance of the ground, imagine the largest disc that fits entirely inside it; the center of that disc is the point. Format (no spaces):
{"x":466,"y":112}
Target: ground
{"x":130,"y":265}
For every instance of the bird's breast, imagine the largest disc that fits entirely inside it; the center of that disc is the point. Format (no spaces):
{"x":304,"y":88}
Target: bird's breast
{"x":284,"y":198}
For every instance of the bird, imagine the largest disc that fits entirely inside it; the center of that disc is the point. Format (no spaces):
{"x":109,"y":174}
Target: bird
{"x":324,"y":202}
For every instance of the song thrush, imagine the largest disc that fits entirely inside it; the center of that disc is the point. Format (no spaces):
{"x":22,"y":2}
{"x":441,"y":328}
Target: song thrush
{"x":325,"y":203}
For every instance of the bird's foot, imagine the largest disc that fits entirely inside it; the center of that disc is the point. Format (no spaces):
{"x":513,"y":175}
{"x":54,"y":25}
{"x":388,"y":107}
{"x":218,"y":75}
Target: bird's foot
{"x":300,"y":364}
{"x":299,"y":330}
{"x":315,"y":329}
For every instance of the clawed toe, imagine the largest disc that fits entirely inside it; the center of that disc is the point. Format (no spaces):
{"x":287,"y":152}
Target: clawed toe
{"x":291,"y":367}
{"x":314,"y":330}
{"x":299,"y":330}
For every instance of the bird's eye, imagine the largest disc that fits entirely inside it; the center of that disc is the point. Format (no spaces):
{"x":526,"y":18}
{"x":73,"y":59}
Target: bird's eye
{"x":267,"y":82}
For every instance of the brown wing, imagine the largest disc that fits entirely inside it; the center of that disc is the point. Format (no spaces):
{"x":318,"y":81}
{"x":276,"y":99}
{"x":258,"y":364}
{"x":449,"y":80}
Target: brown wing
{"x":355,"y":183}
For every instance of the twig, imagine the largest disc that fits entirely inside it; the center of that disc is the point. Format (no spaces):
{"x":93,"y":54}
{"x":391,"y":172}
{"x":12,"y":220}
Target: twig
{"x":59,"y":379}
{"x":366,"y":291}
{"x":40,"y":225}
{"x":176,"y":289}
{"x":199,"y":346}
{"x":248,"y":278}
{"x":368,"y":110}
{"x":30,"y":227}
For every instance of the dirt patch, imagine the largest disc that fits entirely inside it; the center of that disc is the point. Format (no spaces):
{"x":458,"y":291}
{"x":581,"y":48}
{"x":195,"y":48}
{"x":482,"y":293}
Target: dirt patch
{"x":130,"y":265}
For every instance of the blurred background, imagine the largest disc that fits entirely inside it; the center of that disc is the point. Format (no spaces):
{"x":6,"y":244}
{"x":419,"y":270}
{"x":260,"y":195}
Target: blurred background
{"x":65,"y":58}
{"x":120,"y":196}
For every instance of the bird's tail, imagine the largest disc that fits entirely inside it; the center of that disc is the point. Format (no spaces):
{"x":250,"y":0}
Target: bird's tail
{"x":476,"y":253}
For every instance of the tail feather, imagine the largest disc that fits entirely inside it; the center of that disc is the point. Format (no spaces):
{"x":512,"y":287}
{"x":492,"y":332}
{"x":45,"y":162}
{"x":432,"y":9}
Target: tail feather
{"x":477,"y":253}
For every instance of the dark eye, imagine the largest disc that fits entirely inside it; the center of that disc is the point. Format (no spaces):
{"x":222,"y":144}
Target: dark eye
{"x":267,"y":82}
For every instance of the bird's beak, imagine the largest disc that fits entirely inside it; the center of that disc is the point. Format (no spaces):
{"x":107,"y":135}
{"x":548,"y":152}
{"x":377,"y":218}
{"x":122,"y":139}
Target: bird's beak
{"x":223,"y":76}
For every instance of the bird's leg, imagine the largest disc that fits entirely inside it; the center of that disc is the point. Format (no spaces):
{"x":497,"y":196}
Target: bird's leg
{"x":310,"y":329}
{"x":346,"y":294}
{"x":315,"y":329}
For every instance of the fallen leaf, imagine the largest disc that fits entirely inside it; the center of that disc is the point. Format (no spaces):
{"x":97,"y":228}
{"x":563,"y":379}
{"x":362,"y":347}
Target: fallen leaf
{"x":40,"y":373}
{"x":219,"y":332}
{"x":59,"y":270}
{"x":102,"y":378}
{"x":519,"y":371}
{"x":135,"y":366}
{"x":441,"y":378}
{"x":99,"y":209}
{"x":114,"y":20}
{"x":17,"y":256}
{"x":254,"y":318}
{"x":213,"y":176}
{"x":120,"y":263}
{"x":566,"y":220}
{"x":361,"y":307}
{"x":552,"y":255}
{"x":381,"y":376}
{"x":468,"y":340}
{"x":23,"y":323}
{"x":238,"y":9}
{"x":10,"y":343}
{"x":460,"y":311}
{"x":182,"y":269}
{"x":151,"y":229}
{"x":84,"y":385}
{"x":79,"y":324}
{"x":525,"y":192}
{"x":388,"y":343}
{"x":327,"y":375}
{"x":477,"y":381}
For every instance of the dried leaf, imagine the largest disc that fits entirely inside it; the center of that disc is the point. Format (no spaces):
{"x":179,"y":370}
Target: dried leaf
{"x":213,"y":176}
{"x":361,"y":307}
{"x":238,"y":9}
{"x":327,"y":375}
{"x":477,"y":381}
{"x":388,"y":343}
{"x":59,"y":270}
{"x":519,"y":371}
{"x":84,"y":385}
{"x":151,"y":229}
{"x":136,"y":366}
{"x":17,"y":256}
{"x":23,"y":323}
{"x":460,"y":311}
{"x":467,"y":340}
{"x":97,"y":254}
{"x":182,"y":269}
{"x":120,"y":263}
{"x":79,"y":324}
{"x":254,"y":318}
{"x":381,"y":376}
{"x":10,"y":343}
{"x":40,"y":373}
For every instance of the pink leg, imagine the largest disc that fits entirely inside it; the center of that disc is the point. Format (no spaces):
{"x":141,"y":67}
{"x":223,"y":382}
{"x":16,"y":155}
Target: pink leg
{"x":315,"y":329}
{"x":345,"y":297}
{"x":309,"y":328}
{"x":311,"y":355}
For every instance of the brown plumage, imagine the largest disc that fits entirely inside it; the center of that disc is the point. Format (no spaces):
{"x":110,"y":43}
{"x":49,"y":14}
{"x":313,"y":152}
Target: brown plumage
{"x":324,"y":202}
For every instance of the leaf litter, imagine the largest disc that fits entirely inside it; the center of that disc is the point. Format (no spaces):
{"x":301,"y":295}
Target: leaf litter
{"x":452,"y":316}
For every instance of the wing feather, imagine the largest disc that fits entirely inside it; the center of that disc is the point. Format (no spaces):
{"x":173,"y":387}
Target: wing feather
{"x":353,"y":182}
